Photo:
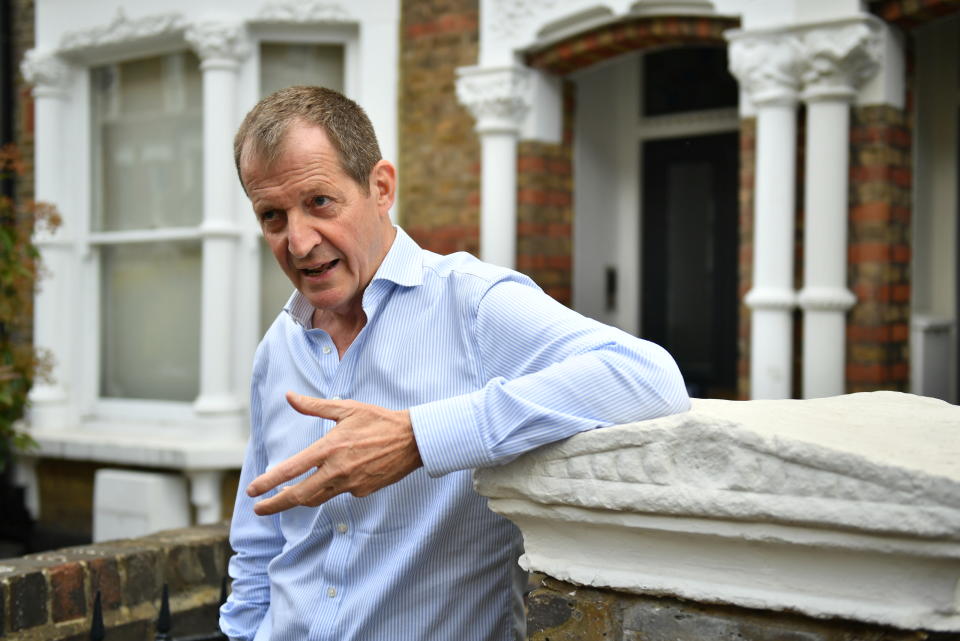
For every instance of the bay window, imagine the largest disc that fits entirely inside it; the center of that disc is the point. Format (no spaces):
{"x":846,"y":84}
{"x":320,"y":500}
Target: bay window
{"x":160,"y":286}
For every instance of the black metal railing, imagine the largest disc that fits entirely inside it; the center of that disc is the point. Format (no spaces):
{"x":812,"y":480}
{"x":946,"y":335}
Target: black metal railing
{"x":164,"y":621}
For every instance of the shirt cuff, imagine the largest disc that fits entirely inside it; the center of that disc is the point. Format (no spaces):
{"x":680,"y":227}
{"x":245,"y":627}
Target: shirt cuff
{"x":448,"y":435}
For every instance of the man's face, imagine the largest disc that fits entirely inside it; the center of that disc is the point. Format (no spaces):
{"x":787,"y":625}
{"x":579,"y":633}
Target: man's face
{"x":328,"y":236}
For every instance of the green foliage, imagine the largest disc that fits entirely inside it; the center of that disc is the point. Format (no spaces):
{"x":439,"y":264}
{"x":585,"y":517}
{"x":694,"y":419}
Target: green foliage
{"x":20,"y":363}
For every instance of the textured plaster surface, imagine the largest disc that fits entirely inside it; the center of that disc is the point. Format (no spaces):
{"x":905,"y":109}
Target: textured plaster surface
{"x":839,"y":507}
{"x":878,"y":462}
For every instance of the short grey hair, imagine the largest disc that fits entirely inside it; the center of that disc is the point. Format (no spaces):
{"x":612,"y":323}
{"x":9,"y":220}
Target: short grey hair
{"x":262,"y":133}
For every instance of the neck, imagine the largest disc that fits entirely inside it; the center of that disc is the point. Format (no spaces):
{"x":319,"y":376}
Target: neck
{"x":342,"y":327}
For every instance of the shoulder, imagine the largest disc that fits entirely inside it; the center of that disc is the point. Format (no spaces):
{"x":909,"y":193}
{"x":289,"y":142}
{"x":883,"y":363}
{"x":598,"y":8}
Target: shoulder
{"x":467,"y":273}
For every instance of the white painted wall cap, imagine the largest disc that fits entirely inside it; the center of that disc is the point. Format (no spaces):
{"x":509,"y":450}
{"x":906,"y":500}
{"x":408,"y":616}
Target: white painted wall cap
{"x":838,"y":507}
{"x":881,"y":462}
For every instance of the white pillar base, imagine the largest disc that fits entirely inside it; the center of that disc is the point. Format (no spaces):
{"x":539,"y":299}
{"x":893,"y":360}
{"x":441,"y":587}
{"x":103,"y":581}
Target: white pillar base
{"x":25,"y":475}
{"x":205,"y":495}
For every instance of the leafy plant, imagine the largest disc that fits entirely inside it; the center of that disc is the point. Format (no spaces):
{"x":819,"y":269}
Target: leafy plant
{"x":20,"y":363}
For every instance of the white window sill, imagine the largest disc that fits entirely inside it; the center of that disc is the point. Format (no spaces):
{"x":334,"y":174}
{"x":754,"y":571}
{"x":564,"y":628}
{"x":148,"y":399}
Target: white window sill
{"x":173,"y":450}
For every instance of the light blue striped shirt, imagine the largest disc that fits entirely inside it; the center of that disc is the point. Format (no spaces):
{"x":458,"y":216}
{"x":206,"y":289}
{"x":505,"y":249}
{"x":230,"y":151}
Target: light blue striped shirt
{"x":490,"y":367}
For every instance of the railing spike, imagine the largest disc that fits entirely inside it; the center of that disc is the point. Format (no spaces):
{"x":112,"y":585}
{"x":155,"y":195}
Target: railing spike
{"x":97,"y":631}
{"x":163,"y":619}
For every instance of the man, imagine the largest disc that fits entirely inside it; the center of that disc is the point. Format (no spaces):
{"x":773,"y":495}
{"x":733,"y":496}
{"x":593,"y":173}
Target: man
{"x":368,"y":527}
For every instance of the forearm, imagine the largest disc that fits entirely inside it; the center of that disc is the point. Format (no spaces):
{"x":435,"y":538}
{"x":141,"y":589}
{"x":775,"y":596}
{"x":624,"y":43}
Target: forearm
{"x":547,"y":374}
{"x":609,"y":385}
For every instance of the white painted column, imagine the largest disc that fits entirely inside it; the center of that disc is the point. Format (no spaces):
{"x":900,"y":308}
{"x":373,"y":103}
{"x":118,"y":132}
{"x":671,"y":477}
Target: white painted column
{"x":498,"y":97}
{"x":221,"y":47}
{"x":765,"y":65}
{"x":51,"y":400}
{"x":835,"y":60}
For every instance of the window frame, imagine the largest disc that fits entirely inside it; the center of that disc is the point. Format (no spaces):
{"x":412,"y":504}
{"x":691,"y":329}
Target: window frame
{"x":94,"y":407}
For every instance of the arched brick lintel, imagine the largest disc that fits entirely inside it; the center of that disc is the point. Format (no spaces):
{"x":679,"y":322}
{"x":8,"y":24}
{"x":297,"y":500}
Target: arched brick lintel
{"x":641,"y":33}
{"x":914,"y":13}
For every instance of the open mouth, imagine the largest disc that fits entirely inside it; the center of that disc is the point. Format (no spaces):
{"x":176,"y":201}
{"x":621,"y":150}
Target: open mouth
{"x":316,"y":271}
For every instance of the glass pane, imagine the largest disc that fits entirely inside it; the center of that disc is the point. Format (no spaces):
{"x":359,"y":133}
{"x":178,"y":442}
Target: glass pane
{"x":283,"y":65}
{"x":150,"y":321}
{"x":148,"y":143}
{"x":275,"y":287}
{"x":687,"y":79}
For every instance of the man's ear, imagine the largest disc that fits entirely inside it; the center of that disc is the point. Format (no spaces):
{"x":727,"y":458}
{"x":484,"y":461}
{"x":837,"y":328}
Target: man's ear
{"x":383,"y":184}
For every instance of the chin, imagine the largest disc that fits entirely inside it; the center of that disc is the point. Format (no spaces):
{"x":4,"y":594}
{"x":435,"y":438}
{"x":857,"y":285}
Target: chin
{"x":326,"y":301}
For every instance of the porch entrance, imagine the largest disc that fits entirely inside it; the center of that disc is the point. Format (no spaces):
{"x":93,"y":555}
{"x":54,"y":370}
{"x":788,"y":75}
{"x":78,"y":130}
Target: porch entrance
{"x":689,"y":269}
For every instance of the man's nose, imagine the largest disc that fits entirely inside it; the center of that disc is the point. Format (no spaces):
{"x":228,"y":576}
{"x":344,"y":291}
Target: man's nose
{"x":302,"y":237}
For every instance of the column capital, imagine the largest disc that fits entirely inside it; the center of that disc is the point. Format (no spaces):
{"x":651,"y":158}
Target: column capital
{"x":498,"y":97}
{"x":836,"y":59}
{"x":220,"y":45}
{"x":766,"y":65}
{"x":46,"y":71}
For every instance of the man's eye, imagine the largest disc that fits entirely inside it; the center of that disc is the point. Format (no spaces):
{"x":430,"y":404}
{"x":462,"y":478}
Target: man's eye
{"x":319,"y":201}
{"x":269,"y":216}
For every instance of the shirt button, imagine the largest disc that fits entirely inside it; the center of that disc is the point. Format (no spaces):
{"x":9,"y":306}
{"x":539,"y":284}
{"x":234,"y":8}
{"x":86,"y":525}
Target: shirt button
{"x":331,"y":592}
{"x":342,"y":528}
{"x":326,"y":349}
{"x":335,"y":398}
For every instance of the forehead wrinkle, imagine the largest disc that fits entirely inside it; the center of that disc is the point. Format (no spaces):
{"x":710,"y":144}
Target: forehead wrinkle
{"x":301,"y":176}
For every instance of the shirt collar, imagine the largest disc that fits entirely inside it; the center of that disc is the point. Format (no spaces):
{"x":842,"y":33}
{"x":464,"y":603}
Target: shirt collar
{"x":402,"y":265}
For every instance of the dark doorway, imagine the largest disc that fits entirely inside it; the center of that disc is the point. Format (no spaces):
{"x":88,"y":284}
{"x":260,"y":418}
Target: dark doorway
{"x":690,"y":244}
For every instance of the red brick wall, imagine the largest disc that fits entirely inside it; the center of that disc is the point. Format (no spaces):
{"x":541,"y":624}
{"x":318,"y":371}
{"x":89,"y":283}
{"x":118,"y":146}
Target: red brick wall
{"x":50,"y":596}
{"x":439,"y":163}
{"x":878,"y":326}
{"x":545,"y":209}
{"x":22,"y":16}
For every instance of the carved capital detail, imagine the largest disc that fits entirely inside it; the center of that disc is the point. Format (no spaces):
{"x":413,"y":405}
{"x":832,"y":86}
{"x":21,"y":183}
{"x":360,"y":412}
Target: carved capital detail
{"x":510,"y":17}
{"x":44,"y":70}
{"x":218,"y":41}
{"x":121,"y":30}
{"x":837,"y":60}
{"x":304,"y":12}
{"x":498,"y":97}
{"x":767,"y":66}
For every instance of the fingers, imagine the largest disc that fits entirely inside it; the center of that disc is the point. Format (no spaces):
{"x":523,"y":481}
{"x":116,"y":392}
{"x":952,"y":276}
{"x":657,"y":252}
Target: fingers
{"x":308,"y":458}
{"x":324,"y":408}
{"x":284,"y":471}
{"x":293,"y":496}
